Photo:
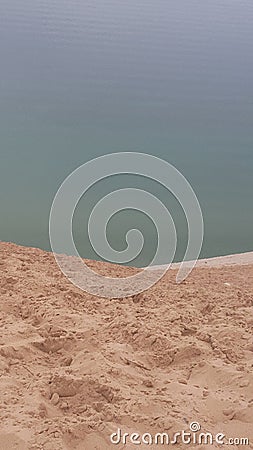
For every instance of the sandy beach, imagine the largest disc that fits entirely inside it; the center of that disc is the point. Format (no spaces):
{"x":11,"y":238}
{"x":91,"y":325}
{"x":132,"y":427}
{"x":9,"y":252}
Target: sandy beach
{"x":240,"y":259}
{"x":75,"y":369}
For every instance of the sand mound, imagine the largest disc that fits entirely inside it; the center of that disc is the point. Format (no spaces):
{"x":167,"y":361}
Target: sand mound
{"x":76,"y":368}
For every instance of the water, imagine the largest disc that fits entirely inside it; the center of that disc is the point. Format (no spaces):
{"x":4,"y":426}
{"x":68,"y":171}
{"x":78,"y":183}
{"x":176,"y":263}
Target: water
{"x":170,"y":78}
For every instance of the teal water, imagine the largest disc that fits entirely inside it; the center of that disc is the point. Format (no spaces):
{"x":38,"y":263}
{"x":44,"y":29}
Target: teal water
{"x":172,"y":78}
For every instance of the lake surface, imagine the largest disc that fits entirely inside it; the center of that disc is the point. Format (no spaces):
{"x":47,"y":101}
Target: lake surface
{"x":172,"y":78}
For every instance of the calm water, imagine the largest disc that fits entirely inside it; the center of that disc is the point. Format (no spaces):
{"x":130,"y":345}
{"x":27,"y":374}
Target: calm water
{"x":173,"y":78}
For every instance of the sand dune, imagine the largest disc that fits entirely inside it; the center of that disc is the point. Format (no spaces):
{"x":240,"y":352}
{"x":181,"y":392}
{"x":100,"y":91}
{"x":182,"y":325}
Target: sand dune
{"x":76,"y":368}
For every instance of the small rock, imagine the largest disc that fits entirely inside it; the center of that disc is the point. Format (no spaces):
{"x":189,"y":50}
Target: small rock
{"x":148,"y":383}
{"x":183,"y":381}
{"x":205,"y":393}
{"x":228,"y":412}
{"x":55,"y":399}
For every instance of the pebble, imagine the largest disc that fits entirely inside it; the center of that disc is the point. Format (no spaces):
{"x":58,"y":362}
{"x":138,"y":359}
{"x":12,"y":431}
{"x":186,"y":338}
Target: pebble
{"x":148,"y":383}
{"x":183,"y":381}
{"x":228,"y":412}
{"x":205,"y":393}
{"x":55,"y":398}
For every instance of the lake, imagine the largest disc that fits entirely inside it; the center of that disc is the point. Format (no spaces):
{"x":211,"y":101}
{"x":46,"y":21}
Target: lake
{"x":171,"y":78}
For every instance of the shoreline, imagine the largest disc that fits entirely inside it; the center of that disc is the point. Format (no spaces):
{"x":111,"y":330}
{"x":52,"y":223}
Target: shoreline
{"x":236,"y":259}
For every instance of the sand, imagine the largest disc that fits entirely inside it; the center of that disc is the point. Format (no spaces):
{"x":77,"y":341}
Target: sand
{"x":240,"y":259}
{"x":76,"y":368}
